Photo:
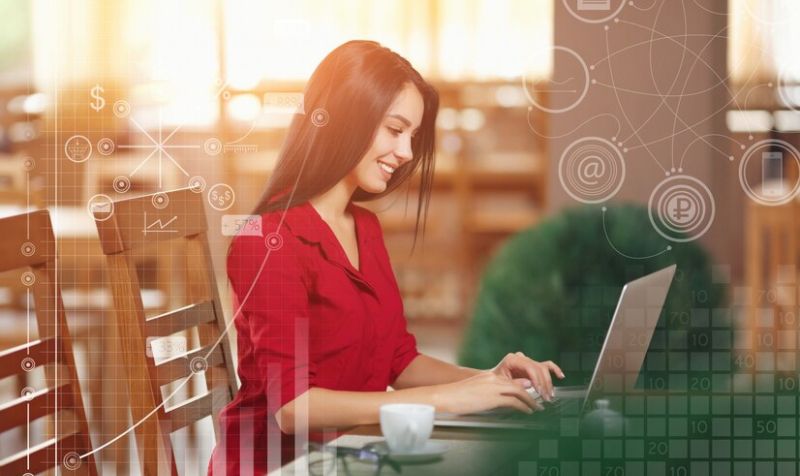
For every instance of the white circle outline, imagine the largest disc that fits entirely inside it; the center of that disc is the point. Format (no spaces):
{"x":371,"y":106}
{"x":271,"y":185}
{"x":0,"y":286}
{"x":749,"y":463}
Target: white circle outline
{"x":121,"y":104}
{"x":102,"y":142}
{"x":577,"y":101}
{"x":199,"y":186}
{"x":212,"y":146}
{"x":126,"y":181}
{"x":278,"y":241}
{"x":164,"y":200}
{"x":317,"y":121}
{"x":89,"y":153}
{"x":27,"y":246}
{"x":680,"y":188}
{"x":72,"y":461}
{"x":28,"y":274}
{"x":653,"y":221}
{"x":743,"y":165}
{"x":89,"y":207}
{"x":615,"y":151}
{"x":233,"y":196}
{"x":600,"y":20}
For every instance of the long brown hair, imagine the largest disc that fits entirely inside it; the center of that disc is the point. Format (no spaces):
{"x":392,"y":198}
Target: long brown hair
{"x":345,"y":101}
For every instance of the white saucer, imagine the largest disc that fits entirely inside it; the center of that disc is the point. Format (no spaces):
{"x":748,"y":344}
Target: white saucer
{"x":431,"y":451}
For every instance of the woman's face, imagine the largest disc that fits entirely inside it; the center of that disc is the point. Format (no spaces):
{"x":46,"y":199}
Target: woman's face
{"x":391,"y":147}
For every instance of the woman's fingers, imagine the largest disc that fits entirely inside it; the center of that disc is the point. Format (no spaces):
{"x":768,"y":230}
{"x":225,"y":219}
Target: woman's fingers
{"x":554,"y":368}
{"x":522,"y":395}
{"x":529,"y":368}
{"x":547,"y":382}
{"x":513,"y":402}
{"x":523,"y":382}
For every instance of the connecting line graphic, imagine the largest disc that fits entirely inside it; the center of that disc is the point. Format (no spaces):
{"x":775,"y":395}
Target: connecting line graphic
{"x":622,"y":109}
{"x":686,"y":127}
{"x":161,"y":145}
{"x":679,"y":125}
{"x":608,"y":239}
{"x":545,"y":136}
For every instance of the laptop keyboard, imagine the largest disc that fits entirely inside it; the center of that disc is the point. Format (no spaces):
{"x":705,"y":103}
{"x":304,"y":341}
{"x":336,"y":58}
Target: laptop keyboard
{"x":555,"y":407}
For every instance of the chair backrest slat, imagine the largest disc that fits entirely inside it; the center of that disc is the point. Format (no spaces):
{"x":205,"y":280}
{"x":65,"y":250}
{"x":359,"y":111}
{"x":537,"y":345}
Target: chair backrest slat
{"x":41,"y":457}
{"x":31,"y":407}
{"x":180,"y":319}
{"x":196,"y":408}
{"x":40,"y":352}
{"x":179,"y":367}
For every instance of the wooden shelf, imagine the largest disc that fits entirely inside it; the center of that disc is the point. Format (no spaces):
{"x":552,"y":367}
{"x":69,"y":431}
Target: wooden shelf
{"x":503,"y":223}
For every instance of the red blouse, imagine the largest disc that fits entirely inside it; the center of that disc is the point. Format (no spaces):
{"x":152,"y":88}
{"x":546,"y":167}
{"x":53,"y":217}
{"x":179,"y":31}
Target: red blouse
{"x":310,"y":320}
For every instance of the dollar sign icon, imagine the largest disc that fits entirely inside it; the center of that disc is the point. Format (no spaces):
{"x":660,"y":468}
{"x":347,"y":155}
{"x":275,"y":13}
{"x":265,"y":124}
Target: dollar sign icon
{"x":99,"y":102}
{"x":221,"y":197}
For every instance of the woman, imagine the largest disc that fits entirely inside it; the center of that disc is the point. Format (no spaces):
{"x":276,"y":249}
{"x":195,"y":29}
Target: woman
{"x":321,"y":331}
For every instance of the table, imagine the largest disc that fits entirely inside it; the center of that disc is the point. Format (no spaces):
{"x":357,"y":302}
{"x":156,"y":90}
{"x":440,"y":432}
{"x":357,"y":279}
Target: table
{"x":470,"y":452}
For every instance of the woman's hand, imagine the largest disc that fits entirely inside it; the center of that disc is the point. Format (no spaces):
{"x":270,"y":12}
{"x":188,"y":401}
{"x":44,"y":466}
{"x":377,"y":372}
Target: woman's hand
{"x":519,"y":366}
{"x":484,"y":391}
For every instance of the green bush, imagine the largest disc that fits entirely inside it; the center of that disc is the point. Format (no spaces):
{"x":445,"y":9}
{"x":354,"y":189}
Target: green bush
{"x":551,"y":291}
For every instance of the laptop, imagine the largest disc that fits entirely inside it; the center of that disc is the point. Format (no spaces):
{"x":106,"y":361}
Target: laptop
{"x":617,"y":368}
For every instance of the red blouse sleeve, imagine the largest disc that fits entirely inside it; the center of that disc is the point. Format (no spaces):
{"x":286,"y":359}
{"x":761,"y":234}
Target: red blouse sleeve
{"x":404,"y":353}
{"x":270,"y":288}
{"x":405,"y":342}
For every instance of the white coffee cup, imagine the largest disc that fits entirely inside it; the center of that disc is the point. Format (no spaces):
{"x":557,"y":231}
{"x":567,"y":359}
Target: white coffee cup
{"x":406,"y":426}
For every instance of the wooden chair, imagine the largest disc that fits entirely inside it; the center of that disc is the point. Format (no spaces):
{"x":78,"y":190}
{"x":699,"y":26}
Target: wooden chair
{"x":155,"y":219}
{"x":28,"y":244}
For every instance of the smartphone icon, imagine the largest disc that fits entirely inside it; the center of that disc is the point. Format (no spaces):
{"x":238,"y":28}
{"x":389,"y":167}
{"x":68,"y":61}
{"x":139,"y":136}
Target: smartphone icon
{"x":772,"y":173}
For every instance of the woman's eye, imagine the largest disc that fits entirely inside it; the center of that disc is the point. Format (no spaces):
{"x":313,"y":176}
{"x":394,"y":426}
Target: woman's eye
{"x":395,"y":132}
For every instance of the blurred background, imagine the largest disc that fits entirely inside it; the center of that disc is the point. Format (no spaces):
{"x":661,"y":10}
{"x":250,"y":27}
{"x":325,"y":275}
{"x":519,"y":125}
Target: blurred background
{"x":103,"y":100}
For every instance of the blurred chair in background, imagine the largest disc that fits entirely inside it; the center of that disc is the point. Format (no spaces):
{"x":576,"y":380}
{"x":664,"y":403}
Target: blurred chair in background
{"x":28,"y":246}
{"x":551,"y":291}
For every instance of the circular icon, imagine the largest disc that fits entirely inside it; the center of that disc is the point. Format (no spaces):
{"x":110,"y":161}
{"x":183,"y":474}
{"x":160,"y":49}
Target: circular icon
{"x":320,"y":117}
{"x":100,"y":207}
{"x":570,"y":90}
{"x":28,"y":278}
{"x":28,"y":164}
{"x":681,"y":208}
{"x":72,"y":461}
{"x":122,"y":184}
{"x":591,"y":170}
{"x":221,"y":197}
{"x":274,"y":241}
{"x":105,"y":146}
{"x":121,"y":108}
{"x":27,"y":393}
{"x":78,"y":148}
{"x":197,"y":184}
{"x":28,"y":364}
{"x":160,"y":200}
{"x":594,"y":11}
{"x":212,"y":146}
{"x":27,"y":249}
{"x":198,"y":364}
{"x":771,"y":157}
